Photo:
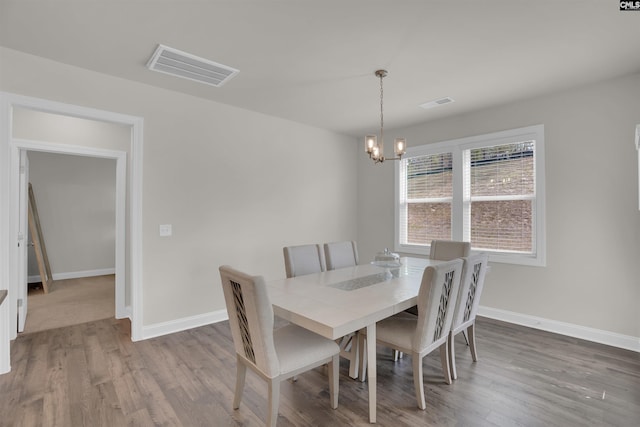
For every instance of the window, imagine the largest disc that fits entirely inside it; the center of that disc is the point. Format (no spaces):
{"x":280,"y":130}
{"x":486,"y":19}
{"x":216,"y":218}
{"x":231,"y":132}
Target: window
{"x":487,"y":190}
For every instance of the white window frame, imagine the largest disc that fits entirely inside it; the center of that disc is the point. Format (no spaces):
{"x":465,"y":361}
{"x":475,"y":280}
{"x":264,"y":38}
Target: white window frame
{"x":457,"y":147}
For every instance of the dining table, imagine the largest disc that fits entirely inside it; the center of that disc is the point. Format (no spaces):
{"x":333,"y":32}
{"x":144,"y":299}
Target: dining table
{"x":339,"y":302}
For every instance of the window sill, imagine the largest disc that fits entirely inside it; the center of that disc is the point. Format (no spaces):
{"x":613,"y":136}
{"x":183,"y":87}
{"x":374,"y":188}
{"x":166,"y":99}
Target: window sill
{"x":495,"y":257}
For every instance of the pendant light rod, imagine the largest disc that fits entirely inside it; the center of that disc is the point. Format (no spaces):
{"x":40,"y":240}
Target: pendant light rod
{"x":381,"y":74}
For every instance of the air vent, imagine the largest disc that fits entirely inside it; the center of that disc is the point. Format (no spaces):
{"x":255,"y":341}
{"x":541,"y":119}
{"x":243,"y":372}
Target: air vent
{"x":437,"y":102}
{"x":181,"y":64}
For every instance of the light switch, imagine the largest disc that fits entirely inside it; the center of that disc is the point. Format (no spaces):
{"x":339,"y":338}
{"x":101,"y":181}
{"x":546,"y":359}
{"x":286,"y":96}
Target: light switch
{"x":165,"y":230}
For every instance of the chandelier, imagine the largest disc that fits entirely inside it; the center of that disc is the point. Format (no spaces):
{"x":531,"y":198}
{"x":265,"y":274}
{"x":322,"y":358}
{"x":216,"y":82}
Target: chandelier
{"x":374,"y":149}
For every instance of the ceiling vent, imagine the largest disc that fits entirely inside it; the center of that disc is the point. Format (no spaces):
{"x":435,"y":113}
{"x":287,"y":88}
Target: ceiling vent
{"x":181,"y":64}
{"x":437,"y":102}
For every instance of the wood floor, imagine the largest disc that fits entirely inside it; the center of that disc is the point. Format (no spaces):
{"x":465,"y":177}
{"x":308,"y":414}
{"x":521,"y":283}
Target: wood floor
{"x":93,"y":375}
{"x":70,"y":302}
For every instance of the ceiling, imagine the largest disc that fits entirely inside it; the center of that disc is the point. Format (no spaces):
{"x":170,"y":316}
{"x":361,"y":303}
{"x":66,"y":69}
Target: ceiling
{"x":314,"y":61}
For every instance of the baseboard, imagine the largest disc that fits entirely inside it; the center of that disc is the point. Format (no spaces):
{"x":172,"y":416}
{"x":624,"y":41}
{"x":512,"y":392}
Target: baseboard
{"x":165,"y":328}
{"x":589,"y":334}
{"x":75,"y":274}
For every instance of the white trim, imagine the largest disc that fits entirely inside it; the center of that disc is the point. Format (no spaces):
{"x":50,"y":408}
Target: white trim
{"x":121,"y":237}
{"x":76,"y":274}
{"x":135,"y":227}
{"x":582,"y":332}
{"x":178,"y":325}
{"x":121,"y":311}
{"x":54,"y":147}
{"x":5,"y":310}
{"x":120,"y":157}
{"x":8,"y":311}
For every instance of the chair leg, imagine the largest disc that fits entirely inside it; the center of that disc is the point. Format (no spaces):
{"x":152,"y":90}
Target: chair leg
{"x":241,"y":371}
{"x":471,"y":331}
{"x":274,"y":401}
{"x":417,"y":380}
{"x":452,"y":355}
{"x":334,"y":380}
{"x":444,"y":359}
{"x":466,"y":338}
{"x":363,"y":357}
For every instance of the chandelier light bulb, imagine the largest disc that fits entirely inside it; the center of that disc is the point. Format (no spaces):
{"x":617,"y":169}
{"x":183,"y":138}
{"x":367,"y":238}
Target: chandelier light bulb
{"x":375,"y":155}
{"x":400,"y":146}
{"x":370,"y":141}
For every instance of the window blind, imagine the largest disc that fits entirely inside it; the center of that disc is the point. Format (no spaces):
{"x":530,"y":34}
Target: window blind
{"x":501,"y":187}
{"x":428,"y":192}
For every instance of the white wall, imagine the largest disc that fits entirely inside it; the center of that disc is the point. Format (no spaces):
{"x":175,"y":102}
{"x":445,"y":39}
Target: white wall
{"x":236,"y":186}
{"x":592,"y":277}
{"x":76,"y":200}
{"x":41,"y":126}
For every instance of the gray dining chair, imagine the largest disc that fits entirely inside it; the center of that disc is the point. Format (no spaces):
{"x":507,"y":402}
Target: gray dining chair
{"x":446,"y":250}
{"x":464,"y":316}
{"x":420,"y":335}
{"x":300,"y":260}
{"x":341,"y":255}
{"x":274,"y":355}
{"x":303,"y":259}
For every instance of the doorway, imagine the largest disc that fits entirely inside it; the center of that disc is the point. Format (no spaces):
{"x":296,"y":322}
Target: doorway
{"x":129,"y":248}
{"x":76,"y":207}
{"x":20,"y":148}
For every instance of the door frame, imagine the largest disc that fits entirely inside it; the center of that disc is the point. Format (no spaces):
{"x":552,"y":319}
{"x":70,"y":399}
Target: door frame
{"x":23,"y":236}
{"x":8,"y":227}
{"x":22,"y":145}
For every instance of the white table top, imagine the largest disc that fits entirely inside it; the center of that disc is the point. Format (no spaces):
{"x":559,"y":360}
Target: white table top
{"x":336,"y":303}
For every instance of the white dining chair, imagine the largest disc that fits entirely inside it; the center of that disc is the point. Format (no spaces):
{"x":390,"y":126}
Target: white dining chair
{"x":419,"y":335}
{"x":464,"y":316}
{"x":341,"y":254}
{"x":275,"y":355}
{"x":303,"y":259}
{"x":444,"y":250}
{"x":441,"y":250}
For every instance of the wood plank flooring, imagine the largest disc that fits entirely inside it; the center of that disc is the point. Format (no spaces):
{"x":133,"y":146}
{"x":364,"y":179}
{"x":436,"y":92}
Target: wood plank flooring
{"x":70,"y":302}
{"x":93,"y":375}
